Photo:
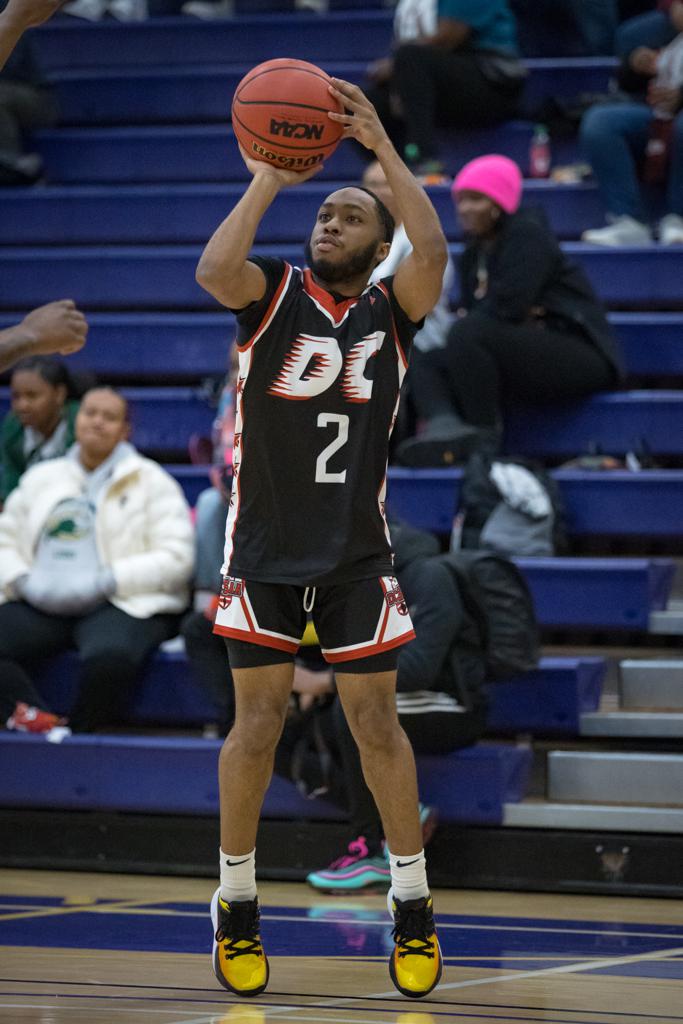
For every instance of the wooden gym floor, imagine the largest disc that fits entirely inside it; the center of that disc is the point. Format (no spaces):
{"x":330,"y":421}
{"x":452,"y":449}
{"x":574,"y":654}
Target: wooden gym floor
{"x":114,"y":949}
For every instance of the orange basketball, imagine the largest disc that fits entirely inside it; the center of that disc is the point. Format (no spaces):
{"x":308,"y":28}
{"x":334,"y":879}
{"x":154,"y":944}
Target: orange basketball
{"x":279,"y":114}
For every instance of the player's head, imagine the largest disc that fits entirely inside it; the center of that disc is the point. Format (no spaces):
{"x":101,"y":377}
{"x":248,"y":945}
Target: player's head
{"x":102,"y":422}
{"x":375,"y":181}
{"x":352,"y":234}
{"x":484,"y":190}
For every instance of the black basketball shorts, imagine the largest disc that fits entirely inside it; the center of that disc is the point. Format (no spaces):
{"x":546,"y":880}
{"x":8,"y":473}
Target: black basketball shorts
{"x":352,"y":620}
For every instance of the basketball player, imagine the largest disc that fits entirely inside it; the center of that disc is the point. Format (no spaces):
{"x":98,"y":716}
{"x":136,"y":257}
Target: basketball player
{"x":321,"y":359}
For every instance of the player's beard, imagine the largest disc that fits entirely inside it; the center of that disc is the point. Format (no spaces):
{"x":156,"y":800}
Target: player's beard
{"x":361,"y":262}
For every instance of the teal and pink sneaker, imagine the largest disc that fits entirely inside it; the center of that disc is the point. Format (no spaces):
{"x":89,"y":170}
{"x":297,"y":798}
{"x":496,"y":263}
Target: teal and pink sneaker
{"x":356,"y":871}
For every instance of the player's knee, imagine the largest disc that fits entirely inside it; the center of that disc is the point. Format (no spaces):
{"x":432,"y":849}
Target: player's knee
{"x":258,"y":728}
{"x":375,"y":724}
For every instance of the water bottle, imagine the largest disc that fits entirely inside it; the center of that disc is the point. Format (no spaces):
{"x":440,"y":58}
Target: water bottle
{"x":539,"y":153}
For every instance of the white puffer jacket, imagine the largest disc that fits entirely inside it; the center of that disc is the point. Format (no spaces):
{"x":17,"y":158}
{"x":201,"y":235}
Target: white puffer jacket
{"x":143,"y":531}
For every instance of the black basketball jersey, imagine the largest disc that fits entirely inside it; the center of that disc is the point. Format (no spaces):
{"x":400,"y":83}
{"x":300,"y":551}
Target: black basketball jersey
{"x":317,"y":396}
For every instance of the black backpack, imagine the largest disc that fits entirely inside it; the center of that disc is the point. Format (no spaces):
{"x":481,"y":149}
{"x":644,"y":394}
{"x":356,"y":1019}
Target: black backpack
{"x":497,"y":599}
{"x":508,"y":523}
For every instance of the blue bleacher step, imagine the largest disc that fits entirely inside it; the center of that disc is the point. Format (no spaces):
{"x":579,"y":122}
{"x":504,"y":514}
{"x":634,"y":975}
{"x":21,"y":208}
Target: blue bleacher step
{"x":165,"y":418}
{"x":614,"y":502}
{"x":163,"y":277}
{"x":194,"y":93}
{"x":179,"y":776}
{"x":181,"y":214}
{"x":340,"y":36}
{"x":598,"y":593}
{"x":202,"y":153}
{"x":144,"y":345}
{"x":549,"y":700}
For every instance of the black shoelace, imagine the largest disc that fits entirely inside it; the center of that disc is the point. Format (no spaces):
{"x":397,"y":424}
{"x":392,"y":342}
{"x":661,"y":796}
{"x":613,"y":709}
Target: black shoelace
{"x":414,"y":924}
{"x":240,"y":924}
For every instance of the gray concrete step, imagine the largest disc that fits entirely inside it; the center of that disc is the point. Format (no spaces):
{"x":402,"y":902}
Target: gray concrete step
{"x":620,"y":778}
{"x":601,"y":817}
{"x":650,"y":724}
{"x":651,"y":683}
{"x":669,"y":621}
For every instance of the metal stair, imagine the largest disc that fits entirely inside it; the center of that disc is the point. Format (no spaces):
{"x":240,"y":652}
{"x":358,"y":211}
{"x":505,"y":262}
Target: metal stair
{"x":619,"y":791}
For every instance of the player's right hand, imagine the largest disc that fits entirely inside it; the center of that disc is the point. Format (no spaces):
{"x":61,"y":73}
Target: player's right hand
{"x":281,"y":175}
{"x":55,"y":327}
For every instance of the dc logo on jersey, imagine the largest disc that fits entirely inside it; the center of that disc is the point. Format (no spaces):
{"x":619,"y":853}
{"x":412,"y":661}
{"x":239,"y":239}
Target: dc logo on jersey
{"x":232,"y":587}
{"x":314,"y":363}
{"x":394,"y":597}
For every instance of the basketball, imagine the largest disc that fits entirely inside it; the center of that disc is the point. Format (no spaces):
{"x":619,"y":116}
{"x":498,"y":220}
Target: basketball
{"x":279,"y":114}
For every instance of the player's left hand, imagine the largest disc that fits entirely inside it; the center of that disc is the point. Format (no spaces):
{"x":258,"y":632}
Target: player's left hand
{"x":360,"y":118}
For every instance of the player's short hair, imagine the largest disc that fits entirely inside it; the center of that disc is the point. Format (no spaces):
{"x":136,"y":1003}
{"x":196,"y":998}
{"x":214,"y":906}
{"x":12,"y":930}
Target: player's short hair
{"x":385,"y":218}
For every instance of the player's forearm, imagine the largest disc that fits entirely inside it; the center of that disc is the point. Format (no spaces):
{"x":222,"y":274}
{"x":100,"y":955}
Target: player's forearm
{"x":415,"y":209}
{"x":15,"y":343}
{"x":228,"y":248}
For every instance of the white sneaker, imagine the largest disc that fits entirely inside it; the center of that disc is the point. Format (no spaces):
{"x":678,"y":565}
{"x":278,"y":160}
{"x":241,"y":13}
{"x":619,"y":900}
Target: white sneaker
{"x":671,"y":229}
{"x":622,"y":230}
{"x":209,"y":11}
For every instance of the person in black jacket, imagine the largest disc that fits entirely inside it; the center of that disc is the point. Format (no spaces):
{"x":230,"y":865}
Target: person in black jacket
{"x":439,"y":698}
{"x":531,"y":328}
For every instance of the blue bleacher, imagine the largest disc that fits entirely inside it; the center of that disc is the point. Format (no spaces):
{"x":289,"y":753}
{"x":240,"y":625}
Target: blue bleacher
{"x":340,"y":36}
{"x":162,"y":277}
{"x":178,"y":776}
{"x":196,"y":344}
{"x":202,"y":93}
{"x":158,"y":214}
{"x":547,"y":701}
{"x":203,"y":153}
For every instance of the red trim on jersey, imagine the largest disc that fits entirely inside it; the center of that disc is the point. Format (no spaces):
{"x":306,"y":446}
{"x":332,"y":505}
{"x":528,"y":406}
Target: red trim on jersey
{"x":369,"y":649}
{"x":256,"y":638}
{"x":266,"y":316}
{"x":335,"y":309}
{"x":399,"y":348}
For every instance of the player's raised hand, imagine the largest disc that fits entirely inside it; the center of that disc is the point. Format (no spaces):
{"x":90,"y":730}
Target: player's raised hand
{"x":360,"y":119}
{"x":55,"y":327}
{"x":281,"y":175}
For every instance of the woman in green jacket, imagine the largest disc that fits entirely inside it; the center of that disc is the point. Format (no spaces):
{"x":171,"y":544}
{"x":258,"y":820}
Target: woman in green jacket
{"x":40,"y":424}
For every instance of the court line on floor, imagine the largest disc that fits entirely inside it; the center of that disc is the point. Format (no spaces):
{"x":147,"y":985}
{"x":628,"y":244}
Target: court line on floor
{"x":139,"y":908}
{"x":574,"y":968}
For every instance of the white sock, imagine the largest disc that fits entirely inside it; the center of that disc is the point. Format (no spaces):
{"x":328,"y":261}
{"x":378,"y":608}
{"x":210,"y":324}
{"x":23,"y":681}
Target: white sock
{"x":409,"y":876}
{"x":238,"y":876}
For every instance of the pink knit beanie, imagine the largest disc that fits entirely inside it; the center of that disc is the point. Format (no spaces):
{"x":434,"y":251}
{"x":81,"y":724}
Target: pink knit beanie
{"x":494,"y":176}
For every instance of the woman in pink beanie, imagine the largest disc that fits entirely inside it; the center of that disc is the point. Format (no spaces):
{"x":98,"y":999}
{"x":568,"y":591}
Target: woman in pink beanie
{"x":530,"y":327}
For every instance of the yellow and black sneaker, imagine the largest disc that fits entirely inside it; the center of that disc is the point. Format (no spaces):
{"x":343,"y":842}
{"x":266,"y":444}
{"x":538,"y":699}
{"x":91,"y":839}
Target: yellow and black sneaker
{"x":239,"y":961}
{"x":415,"y":965}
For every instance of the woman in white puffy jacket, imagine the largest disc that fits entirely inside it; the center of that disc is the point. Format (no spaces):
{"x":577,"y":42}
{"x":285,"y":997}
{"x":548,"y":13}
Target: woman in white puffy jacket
{"x":96,"y":554}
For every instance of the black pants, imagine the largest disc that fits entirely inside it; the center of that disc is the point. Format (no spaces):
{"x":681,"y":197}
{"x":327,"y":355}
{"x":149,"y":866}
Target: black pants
{"x":112,"y":645}
{"x":23,"y":109}
{"x":487,"y":361}
{"x":429,"y":733}
{"x":437,"y":88}
{"x":210,"y":666}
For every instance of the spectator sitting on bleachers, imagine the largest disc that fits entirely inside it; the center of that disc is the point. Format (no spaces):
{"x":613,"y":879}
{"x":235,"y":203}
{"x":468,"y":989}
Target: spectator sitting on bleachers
{"x":26,"y":104}
{"x":439,"y":699}
{"x":617,"y":137}
{"x":96,"y":552}
{"x":530,"y":327}
{"x":455,"y":64}
{"x":40,"y":424}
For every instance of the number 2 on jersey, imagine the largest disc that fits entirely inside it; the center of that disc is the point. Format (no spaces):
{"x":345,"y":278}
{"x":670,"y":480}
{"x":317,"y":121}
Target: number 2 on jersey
{"x":322,"y":474}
